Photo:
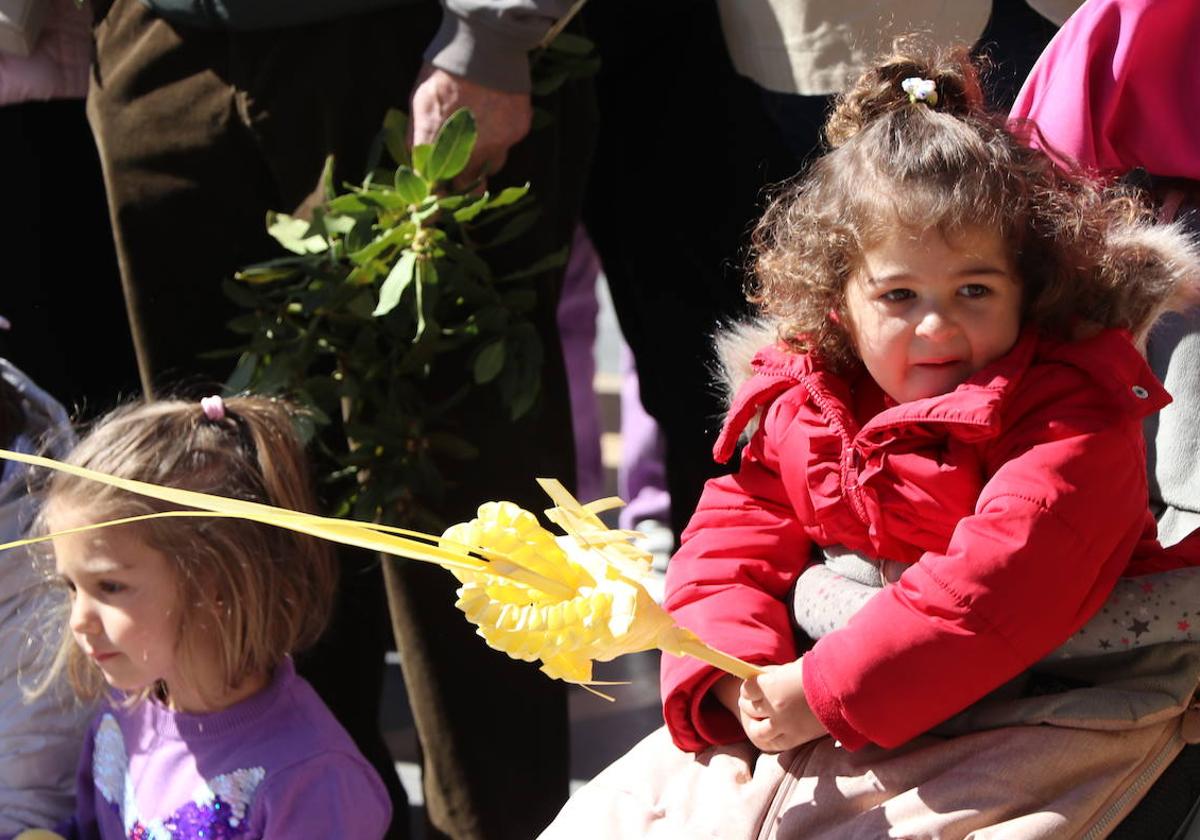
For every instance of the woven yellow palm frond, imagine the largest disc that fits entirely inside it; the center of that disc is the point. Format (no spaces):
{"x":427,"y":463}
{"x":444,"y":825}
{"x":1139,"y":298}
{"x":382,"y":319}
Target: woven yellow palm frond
{"x":605,"y":611}
{"x":567,"y":601}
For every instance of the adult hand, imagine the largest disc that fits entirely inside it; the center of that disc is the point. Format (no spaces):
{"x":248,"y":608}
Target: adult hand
{"x":774,"y":711}
{"x":502,"y":118}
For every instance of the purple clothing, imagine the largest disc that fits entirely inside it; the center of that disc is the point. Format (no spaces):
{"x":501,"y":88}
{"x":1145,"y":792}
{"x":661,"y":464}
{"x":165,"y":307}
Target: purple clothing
{"x":577,"y":311}
{"x":276,"y":765}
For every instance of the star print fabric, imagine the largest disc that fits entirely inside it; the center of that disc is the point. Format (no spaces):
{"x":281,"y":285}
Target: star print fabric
{"x":1141,"y":611}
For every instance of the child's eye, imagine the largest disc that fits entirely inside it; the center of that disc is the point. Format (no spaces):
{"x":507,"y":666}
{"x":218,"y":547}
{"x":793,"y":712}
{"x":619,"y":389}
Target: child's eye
{"x":897,"y":295}
{"x":111,"y":587}
{"x":974,"y":290}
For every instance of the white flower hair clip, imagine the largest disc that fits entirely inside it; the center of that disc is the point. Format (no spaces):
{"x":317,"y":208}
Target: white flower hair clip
{"x":920,"y":90}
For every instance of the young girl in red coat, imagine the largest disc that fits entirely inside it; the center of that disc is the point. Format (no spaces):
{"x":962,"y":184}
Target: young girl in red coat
{"x":946,"y":400}
{"x":952,"y":392}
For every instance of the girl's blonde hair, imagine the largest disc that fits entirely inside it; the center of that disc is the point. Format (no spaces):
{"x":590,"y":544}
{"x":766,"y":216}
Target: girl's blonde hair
{"x":261,"y":592}
{"x":894,"y":164}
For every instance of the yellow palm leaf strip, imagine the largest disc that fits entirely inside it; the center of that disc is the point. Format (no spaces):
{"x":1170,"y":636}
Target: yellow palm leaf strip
{"x":345,"y":531}
{"x":679,"y":641}
{"x":581,"y":522}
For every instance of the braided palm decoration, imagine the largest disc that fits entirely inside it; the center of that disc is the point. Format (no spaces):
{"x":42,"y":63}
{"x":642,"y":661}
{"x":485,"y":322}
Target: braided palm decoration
{"x":567,"y":601}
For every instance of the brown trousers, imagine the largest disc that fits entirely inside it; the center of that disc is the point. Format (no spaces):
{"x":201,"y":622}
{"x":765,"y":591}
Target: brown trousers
{"x":200,"y":133}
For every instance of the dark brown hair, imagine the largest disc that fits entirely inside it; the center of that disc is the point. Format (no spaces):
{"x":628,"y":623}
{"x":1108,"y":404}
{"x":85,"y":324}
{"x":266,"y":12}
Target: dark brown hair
{"x":894,"y":163}
{"x":262,"y":591}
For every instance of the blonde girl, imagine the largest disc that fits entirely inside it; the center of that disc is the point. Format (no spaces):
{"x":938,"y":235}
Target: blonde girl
{"x":187,"y":626}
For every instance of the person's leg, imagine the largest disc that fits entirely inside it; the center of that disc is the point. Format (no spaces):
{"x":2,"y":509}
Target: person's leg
{"x":577,"y":311}
{"x":1013,"y":39}
{"x":493,"y":731}
{"x":683,"y":152}
{"x":61,"y":292}
{"x":641,"y":478}
{"x":189,"y":188}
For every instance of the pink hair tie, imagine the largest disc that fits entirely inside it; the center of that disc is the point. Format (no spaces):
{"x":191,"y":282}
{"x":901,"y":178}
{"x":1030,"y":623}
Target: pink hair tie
{"x":213,"y":407}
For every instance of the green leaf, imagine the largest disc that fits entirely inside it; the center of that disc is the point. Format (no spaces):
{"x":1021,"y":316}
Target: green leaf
{"x":330,"y":188}
{"x":508,"y":195}
{"x":427,"y":278}
{"x":549,"y":82}
{"x":340,"y":225}
{"x":258,"y":275}
{"x":515,"y":227}
{"x":489,"y":362}
{"x":470,"y":211}
{"x":364,"y":275}
{"x":425,"y":212}
{"x":397,"y":281}
{"x":239,"y":294}
{"x":385,"y":197}
{"x":567,"y":42}
{"x":243,"y":374}
{"x":349,"y":203}
{"x":521,"y":379}
{"x":399,"y":235}
{"x":420,"y":159}
{"x":295,"y":234}
{"x":411,"y":187}
{"x":452,"y":146}
{"x":395,"y":135}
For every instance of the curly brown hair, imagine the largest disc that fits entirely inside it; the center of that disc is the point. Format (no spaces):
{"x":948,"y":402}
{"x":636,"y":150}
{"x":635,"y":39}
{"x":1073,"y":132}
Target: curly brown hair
{"x":951,"y":166}
{"x":262,"y":592}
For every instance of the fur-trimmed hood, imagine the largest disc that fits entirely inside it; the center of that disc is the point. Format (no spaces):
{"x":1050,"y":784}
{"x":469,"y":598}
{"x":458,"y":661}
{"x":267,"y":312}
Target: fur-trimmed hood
{"x":1156,"y":268}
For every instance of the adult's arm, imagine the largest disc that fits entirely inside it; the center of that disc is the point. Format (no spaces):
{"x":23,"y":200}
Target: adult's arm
{"x":479,"y":59}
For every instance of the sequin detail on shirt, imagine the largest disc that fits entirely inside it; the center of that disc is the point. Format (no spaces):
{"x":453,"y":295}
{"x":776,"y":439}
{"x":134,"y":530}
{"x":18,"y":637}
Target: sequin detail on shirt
{"x":217,"y":811}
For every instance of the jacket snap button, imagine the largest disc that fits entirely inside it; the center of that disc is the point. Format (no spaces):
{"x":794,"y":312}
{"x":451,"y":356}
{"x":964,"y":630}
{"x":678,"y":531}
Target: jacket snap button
{"x":1140,"y":392}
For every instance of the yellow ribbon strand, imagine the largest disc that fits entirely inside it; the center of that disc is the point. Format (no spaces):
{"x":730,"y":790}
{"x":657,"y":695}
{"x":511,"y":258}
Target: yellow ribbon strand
{"x":568,"y":602}
{"x":367,"y":535}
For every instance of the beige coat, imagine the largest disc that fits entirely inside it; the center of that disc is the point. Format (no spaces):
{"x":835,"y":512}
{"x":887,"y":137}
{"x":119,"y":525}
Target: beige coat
{"x":816,"y":47}
{"x":1070,"y":764}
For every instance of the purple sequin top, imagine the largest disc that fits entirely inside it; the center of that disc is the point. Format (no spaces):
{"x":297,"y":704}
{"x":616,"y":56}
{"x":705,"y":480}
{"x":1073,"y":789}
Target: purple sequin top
{"x":276,"y":765}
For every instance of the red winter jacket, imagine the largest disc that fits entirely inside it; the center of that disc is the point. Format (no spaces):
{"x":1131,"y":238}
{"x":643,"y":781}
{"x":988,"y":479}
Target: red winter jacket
{"x":1018,"y":499}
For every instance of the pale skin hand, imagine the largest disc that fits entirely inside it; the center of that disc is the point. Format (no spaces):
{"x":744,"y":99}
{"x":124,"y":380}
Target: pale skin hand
{"x":771,"y":707}
{"x":502,"y":118}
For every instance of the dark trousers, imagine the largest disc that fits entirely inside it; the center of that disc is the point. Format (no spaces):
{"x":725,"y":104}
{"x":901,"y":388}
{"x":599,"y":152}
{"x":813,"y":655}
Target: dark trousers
{"x":202,"y":132}
{"x":59,"y":287}
{"x":684,"y":151}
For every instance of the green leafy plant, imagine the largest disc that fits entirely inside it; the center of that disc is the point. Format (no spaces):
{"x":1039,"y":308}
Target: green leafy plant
{"x":386,"y":312}
{"x":386,"y":288}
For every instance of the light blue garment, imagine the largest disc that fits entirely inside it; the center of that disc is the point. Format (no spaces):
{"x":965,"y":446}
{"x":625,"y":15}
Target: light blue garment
{"x":39,"y":740}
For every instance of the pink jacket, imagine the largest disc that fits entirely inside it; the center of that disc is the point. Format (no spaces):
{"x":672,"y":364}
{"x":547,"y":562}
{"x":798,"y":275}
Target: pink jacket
{"x":1018,"y":499}
{"x":1117,"y":88}
{"x":59,"y":64}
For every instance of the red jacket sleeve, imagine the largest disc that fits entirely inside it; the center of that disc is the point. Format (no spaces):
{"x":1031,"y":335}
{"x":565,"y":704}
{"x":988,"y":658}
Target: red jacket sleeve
{"x":741,"y":552}
{"x":1052,"y":530}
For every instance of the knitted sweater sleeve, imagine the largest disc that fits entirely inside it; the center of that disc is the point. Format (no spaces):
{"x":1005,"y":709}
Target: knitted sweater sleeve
{"x":488,"y":41}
